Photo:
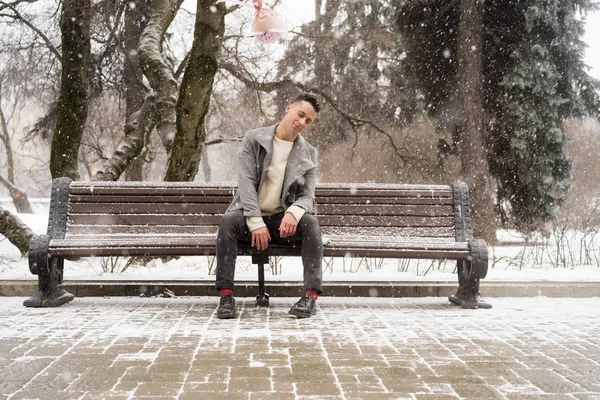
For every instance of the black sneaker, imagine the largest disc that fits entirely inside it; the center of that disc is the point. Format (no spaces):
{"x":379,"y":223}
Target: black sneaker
{"x":226,"y":308}
{"x":304,"y":308}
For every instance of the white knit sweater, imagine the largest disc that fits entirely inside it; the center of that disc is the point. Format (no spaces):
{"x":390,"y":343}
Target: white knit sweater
{"x":269,"y":197}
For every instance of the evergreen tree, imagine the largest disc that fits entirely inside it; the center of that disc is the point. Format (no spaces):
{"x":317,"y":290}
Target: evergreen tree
{"x":534,"y":79}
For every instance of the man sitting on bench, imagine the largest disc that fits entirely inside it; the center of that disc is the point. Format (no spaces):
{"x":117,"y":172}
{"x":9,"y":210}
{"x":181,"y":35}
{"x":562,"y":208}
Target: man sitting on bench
{"x":274,"y":203}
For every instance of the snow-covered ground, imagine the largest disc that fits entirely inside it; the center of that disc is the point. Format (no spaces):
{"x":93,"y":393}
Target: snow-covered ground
{"x":572,"y":257}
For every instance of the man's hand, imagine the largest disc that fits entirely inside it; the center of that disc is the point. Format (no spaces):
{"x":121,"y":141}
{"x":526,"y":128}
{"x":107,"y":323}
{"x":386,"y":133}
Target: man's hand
{"x":260,"y":238}
{"x":288,"y":225}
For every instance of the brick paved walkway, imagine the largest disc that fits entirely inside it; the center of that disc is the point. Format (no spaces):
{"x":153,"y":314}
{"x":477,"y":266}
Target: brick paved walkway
{"x":415,"y":348}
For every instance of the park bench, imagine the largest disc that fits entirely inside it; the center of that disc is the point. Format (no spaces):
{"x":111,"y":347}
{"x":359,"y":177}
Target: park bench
{"x":181,"y":219}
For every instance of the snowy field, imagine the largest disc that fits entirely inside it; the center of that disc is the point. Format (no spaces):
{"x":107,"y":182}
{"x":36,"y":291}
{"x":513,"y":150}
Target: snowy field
{"x":563,"y":256}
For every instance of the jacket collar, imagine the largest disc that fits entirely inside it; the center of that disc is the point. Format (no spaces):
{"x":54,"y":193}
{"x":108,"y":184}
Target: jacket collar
{"x":300,"y":150}
{"x":299,"y":160}
{"x":265,"y":138}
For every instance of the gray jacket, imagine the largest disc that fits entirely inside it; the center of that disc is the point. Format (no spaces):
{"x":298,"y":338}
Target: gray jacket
{"x":254,"y":161}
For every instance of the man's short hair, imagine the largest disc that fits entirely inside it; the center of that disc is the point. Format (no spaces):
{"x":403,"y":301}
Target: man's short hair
{"x":310,"y":98}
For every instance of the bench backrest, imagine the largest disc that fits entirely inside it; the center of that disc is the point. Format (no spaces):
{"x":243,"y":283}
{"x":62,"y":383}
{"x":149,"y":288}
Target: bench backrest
{"x":174,"y":209}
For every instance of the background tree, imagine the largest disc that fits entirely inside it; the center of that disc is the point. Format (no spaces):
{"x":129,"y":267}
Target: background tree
{"x":534,"y":79}
{"x":135,"y":20}
{"x":471,"y":126}
{"x":350,"y":52}
{"x":74,"y":91}
{"x":18,"y":195}
{"x":195,"y":92}
{"x":29,"y":78}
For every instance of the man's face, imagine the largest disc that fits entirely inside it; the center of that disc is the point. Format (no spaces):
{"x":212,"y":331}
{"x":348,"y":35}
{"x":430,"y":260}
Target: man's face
{"x":299,"y":115}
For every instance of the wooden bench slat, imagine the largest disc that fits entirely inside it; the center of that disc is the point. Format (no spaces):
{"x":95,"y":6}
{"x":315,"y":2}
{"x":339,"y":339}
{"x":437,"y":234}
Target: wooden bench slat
{"x":110,"y":185}
{"x":206,"y":246}
{"x":200,"y":251}
{"x":384,"y":221}
{"x":226,"y":200}
{"x":206,"y":240}
{"x":99,"y":199}
{"x":378,"y":186}
{"x":358,"y":244}
{"x":425,"y":193}
{"x":118,"y":230}
{"x":142,"y":190}
{"x":373,"y":200}
{"x":368,"y":238}
{"x":325,"y":220}
{"x":327,"y":209}
{"x":197,"y":251}
{"x":392,"y":231}
{"x":397,"y":253}
{"x":143,"y":219}
{"x":326,"y":185}
{"x":147,"y":208}
{"x":400,"y":191}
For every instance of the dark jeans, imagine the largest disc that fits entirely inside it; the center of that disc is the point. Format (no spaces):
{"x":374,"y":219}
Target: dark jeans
{"x":233,"y":230}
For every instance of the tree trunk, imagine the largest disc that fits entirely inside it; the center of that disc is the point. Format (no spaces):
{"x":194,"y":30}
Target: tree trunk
{"x":142,"y":45}
{"x":74,"y":89}
{"x":323,"y":26}
{"x":15,"y":230}
{"x":136,"y":128}
{"x":158,"y":70}
{"x":471,"y":146}
{"x":195,"y":91}
{"x":206,"y":170}
{"x":135,"y":91}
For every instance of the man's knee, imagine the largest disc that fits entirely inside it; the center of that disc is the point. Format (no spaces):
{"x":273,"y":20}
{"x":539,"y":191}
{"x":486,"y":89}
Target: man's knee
{"x":309,"y":223}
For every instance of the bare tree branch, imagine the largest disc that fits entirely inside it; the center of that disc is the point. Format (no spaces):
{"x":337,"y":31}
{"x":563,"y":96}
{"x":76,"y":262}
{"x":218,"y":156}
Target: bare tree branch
{"x":4,"y":5}
{"x":5,"y":139}
{"x":41,"y":34}
{"x":20,"y":199}
{"x":181,"y":67}
{"x":158,"y":69}
{"x":15,"y":230}
{"x":222,"y":139}
{"x":354,"y":121}
{"x":138,"y":124}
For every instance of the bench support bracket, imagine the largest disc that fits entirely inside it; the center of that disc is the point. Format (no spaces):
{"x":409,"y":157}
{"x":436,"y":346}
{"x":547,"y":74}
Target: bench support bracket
{"x":49,"y":270}
{"x":469,"y":274}
{"x":262,"y":298}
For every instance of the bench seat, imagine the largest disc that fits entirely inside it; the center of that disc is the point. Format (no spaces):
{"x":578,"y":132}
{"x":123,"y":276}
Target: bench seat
{"x":192,"y":246}
{"x":181,"y":219}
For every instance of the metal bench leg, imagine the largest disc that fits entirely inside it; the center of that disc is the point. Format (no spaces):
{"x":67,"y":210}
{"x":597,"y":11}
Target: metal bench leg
{"x":469,"y":274}
{"x":262,"y":298}
{"x":50,"y":276}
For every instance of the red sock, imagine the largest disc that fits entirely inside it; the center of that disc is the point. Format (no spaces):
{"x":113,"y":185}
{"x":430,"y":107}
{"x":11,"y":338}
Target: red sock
{"x":225,"y":292}
{"x":312,"y":293}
